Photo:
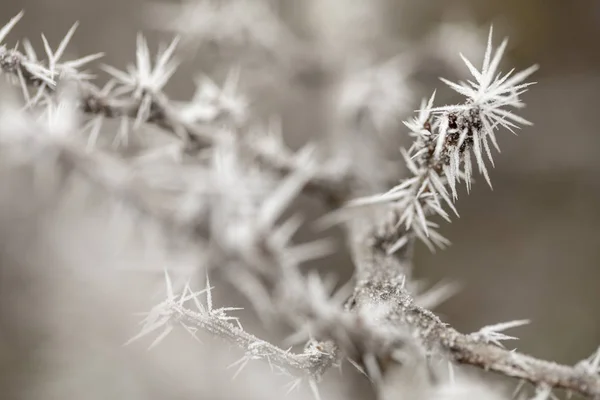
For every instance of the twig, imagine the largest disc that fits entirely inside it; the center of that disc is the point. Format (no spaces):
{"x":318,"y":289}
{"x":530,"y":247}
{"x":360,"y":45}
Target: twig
{"x":332,"y":186}
{"x":381,"y":280}
{"x":382,"y":251}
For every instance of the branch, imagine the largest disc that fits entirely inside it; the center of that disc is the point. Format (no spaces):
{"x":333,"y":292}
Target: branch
{"x":330,"y":184}
{"x":173,"y":311}
{"x":30,"y":145}
{"x":382,"y":245}
{"x":381,"y":279}
{"x":540,"y":373}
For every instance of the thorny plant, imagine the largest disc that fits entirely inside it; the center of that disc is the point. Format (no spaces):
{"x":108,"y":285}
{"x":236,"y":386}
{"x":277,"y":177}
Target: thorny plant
{"x":234,"y":183}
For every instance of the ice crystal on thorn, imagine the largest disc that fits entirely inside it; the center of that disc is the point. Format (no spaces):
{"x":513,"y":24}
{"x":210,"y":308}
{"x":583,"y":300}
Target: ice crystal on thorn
{"x":56,"y":68}
{"x":591,"y":364}
{"x":143,"y":81}
{"x":492,"y":91}
{"x":489,"y":100}
{"x":5,"y":30}
{"x":444,"y":140}
{"x":210,"y":101}
{"x":68,"y":68}
{"x":169,"y":313}
{"x":142,"y":76}
{"x":493,"y":333}
{"x":12,"y":61}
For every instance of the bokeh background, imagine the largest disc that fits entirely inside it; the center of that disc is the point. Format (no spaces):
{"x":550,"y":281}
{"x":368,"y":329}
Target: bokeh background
{"x":529,"y":248}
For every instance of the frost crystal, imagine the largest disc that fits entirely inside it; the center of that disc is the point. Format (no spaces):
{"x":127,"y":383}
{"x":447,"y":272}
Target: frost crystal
{"x":445,"y":139}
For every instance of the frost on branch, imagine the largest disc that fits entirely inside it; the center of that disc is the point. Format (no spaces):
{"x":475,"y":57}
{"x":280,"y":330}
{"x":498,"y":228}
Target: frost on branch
{"x":202,"y":315}
{"x":493,"y":333}
{"x":446,"y":138}
{"x":224,"y":184}
{"x":592,"y":364}
{"x":143,"y":81}
{"x":255,"y":250}
{"x":17,"y":65}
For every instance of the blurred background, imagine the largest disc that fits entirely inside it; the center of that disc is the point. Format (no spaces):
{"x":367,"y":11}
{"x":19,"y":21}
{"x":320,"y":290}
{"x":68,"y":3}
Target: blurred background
{"x":528,"y":249}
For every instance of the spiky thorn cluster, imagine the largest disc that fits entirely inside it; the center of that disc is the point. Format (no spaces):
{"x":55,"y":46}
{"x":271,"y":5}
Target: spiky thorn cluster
{"x":137,"y":94}
{"x":176,"y":310}
{"x":445,"y":139}
{"x":256,"y":252}
{"x":217,"y":321}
